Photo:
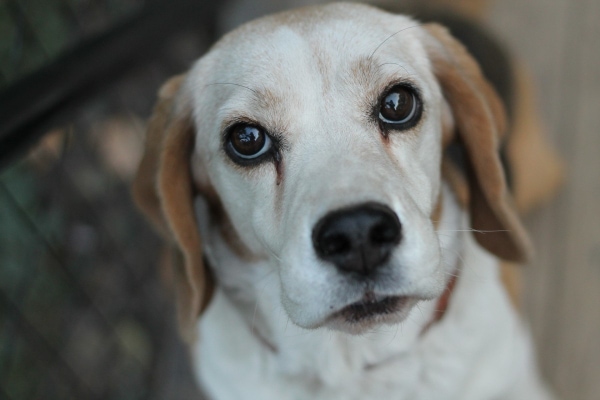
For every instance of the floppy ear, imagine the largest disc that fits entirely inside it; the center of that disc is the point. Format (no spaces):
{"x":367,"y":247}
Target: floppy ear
{"x":480,"y":122}
{"x":164,"y":191}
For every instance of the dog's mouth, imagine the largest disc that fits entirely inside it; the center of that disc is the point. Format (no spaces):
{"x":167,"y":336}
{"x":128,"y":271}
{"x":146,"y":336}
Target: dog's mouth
{"x":371,"y":308}
{"x":364,"y":309}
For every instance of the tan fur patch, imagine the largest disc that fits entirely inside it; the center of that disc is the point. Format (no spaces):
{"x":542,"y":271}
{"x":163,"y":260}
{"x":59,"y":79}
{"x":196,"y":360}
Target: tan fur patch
{"x":457,"y":181}
{"x":363,"y":72}
{"x":512,"y":280}
{"x":436,"y":216}
{"x":228,"y":232}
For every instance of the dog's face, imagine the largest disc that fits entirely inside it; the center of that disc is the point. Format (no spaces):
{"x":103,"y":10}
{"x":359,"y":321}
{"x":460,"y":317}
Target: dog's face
{"x":319,"y":135}
{"x":324,"y":148}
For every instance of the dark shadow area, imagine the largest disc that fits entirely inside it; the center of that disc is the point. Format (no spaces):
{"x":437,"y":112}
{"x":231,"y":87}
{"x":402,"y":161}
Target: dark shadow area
{"x":83,"y":314}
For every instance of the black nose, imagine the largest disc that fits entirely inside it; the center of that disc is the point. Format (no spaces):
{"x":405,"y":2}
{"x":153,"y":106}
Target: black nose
{"x":357,"y":239}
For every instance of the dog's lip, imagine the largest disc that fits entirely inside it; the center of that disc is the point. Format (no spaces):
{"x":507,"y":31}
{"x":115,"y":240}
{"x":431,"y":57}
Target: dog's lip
{"x":371,"y":306}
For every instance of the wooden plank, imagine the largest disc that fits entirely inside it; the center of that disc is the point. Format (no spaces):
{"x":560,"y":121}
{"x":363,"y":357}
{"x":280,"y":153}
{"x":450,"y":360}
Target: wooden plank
{"x":558,"y":40}
{"x":579,"y":312}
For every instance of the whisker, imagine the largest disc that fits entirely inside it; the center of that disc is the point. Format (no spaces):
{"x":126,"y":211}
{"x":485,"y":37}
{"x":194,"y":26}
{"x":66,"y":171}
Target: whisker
{"x":457,"y":254}
{"x":271,"y":251}
{"x":395,"y":333}
{"x":391,"y":36}
{"x":473,"y":230}
{"x":268,"y":274}
{"x":461,"y":258}
{"x":453,"y":274}
{"x":399,"y":65}
{"x":446,"y":235}
{"x":233,"y":84}
{"x":254,"y":316}
{"x":299,"y":334}
{"x":418,"y":306}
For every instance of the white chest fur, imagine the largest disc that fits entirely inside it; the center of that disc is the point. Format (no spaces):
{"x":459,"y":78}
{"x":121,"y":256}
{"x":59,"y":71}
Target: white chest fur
{"x":478,"y":351}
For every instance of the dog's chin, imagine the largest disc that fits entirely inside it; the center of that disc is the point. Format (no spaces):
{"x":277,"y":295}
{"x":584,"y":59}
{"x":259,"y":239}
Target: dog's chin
{"x":370,"y":312}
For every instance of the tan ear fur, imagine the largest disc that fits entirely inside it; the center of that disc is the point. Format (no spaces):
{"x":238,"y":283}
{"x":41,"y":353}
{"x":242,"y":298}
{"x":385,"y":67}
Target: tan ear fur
{"x":479,"y":124}
{"x":164,"y":191}
{"x":144,"y":188}
{"x":512,"y":280}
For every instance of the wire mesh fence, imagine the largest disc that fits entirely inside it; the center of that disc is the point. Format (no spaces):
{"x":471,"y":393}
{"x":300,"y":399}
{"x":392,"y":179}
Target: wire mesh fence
{"x":32,"y":32}
{"x":82,"y":310}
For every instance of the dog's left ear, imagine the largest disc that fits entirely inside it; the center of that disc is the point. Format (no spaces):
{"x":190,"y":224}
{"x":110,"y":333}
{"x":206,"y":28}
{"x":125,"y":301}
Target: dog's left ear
{"x":163,"y":189}
{"x":480,"y":122}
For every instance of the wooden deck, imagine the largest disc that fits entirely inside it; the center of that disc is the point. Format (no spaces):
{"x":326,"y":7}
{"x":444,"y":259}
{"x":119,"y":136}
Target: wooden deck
{"x":559,"y":41}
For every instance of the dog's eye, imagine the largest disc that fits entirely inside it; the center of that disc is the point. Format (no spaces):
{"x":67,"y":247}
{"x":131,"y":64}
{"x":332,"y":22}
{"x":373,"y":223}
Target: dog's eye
{"x":248,"y":142}
{"x":399,"y":107}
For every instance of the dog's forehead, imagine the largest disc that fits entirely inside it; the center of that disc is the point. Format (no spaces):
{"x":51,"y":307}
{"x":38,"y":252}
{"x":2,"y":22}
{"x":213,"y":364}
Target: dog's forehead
{"x":314,"y":43}
{"x":305,"y":56}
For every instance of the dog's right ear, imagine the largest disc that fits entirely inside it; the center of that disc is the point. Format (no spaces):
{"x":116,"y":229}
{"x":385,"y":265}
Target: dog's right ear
{"x":163,"y":189}
{"x":480,"y":122}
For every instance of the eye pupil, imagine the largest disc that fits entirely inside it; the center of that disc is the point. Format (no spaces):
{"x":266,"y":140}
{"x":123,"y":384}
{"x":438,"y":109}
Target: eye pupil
{"x":398,"y":106}
{"x":247,"y":140}
{"x":248,"y":144}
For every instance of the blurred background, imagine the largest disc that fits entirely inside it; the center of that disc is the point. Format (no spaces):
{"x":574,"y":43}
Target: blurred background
{"x":83,"y":314}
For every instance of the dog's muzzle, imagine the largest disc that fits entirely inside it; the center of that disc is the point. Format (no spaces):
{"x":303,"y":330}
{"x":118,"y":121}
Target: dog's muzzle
{"x":359,"y":239}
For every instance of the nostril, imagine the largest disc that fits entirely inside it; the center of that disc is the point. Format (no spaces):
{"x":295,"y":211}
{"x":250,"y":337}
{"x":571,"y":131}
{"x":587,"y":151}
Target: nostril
{"x":384,"y":233}
{"x":333,"y":244}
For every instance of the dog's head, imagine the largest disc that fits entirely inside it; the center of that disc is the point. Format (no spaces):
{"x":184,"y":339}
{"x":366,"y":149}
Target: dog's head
{"x":315,"y":139}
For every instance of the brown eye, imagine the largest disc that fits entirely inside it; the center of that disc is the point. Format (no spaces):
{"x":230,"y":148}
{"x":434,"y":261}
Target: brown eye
{"x":399,"y":107}
{"x":248,"y":142}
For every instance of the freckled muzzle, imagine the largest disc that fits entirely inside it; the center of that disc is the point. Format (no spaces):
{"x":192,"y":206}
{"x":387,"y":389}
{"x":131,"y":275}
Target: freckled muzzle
{"x":359,"y":239}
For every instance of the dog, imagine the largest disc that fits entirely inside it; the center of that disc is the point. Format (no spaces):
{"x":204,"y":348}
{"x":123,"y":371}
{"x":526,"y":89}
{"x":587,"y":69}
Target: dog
{"x":330,"y":184}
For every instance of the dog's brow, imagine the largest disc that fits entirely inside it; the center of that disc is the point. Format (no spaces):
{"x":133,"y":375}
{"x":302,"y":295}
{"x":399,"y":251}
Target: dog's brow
{"x":265,"y":97}
{"x":365,"y":72}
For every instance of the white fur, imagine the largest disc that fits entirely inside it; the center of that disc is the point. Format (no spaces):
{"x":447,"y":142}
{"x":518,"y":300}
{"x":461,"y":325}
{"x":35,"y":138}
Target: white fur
{"x":334,"y":157}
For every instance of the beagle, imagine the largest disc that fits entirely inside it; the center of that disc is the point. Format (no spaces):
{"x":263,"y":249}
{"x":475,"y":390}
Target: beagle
{"x":324,"y":243}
